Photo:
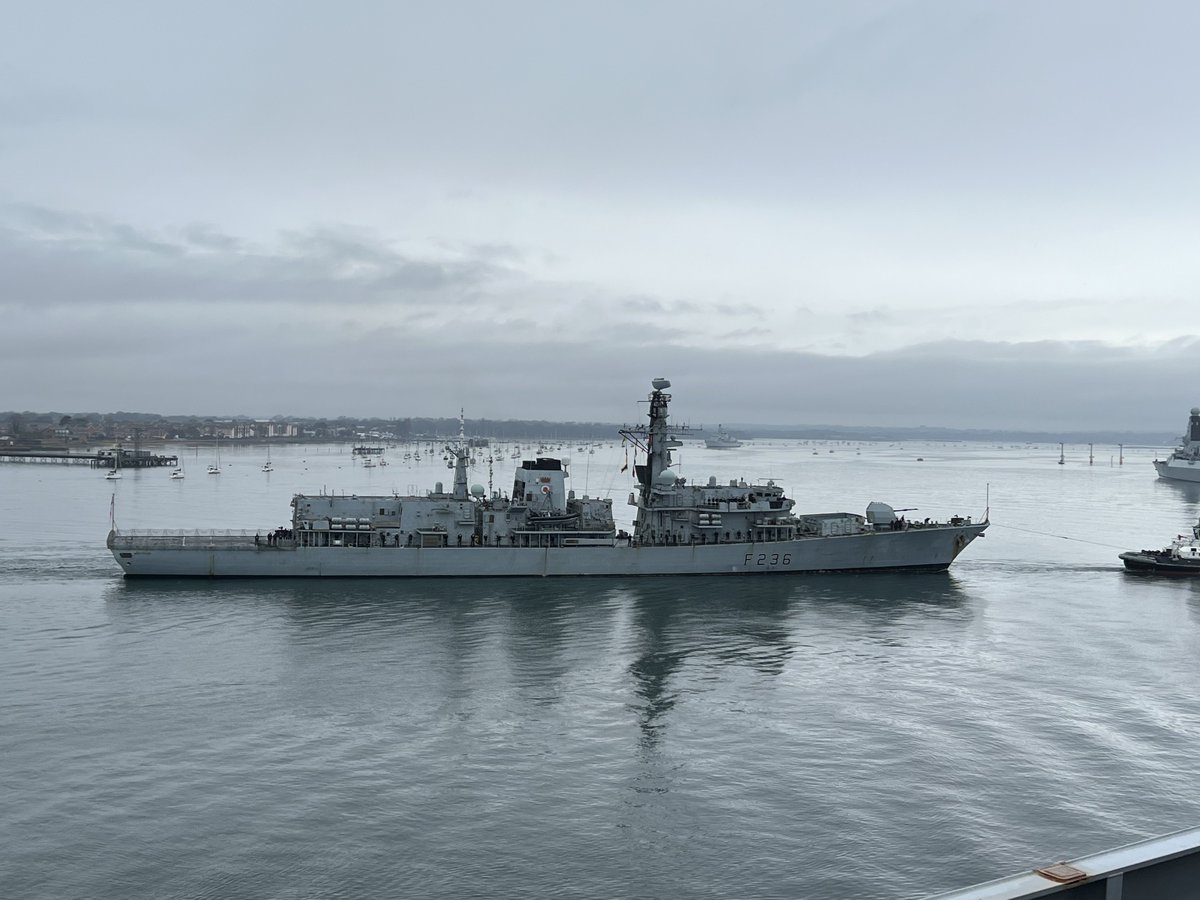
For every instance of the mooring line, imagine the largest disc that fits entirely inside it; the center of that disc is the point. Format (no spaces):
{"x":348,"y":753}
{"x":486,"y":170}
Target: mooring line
{"x":1060,"y":536}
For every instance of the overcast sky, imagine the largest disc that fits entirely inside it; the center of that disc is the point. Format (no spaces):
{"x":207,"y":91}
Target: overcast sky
{"x":946,"y":213}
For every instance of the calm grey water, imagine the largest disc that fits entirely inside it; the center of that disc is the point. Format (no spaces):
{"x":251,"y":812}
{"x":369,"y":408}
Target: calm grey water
{"x":818,"y":737}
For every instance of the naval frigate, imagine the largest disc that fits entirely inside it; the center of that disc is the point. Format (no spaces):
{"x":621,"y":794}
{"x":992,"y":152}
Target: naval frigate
{"x":543,"y":529}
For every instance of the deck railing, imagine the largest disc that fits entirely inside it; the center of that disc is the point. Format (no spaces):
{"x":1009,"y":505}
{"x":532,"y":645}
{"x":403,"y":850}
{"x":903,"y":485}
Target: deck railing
{"x":1156,"y":869}
{"x":193,"y":538}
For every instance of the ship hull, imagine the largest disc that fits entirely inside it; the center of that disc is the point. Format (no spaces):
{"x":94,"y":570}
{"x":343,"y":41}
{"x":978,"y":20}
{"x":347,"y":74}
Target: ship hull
{"x":1178,"y":469}
{"x":929,"y":548}
{"x":1159,"y":564}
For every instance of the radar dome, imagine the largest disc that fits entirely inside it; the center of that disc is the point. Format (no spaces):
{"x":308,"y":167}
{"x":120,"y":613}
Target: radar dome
{"x":1196,"y":410}
{"x":666,"y":478}
{"x":477,"y":490}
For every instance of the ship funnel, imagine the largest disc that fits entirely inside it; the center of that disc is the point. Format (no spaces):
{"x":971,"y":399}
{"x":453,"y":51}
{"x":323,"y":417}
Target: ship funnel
{"x":660,"y":384}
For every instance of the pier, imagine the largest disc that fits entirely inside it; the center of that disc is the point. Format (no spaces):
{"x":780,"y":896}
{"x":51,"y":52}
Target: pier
{"x":116,"y":458}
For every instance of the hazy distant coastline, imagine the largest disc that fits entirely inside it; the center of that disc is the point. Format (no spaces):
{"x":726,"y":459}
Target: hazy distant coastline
{"x":42,"y":428}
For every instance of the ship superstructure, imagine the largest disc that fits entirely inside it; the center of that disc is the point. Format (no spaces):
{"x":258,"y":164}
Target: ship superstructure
{"x":543,"y":528}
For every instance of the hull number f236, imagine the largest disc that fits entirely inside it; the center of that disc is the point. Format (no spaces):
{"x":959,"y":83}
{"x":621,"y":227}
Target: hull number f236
{"x":768,"y":559}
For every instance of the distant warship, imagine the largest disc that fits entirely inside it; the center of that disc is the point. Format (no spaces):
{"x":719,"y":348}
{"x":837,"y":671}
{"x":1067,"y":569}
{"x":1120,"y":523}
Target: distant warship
{"x":723,"y":441}
{"x":1184,"y":462}
{"x":542,"y":528}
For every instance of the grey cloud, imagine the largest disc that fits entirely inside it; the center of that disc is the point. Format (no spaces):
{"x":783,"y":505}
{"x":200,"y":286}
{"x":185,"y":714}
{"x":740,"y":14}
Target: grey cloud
{"x":210,"y":365}
{"x":643,"y":305}
{"x":53,"y":258}
{"x":655,"y":306}
{"x":737,"y":310}
{"x":492,"y":251}
{"x":208,"y":237}
{"x":868,"y":317}
{"x":763,"y":333}
{"x":72,"y":231}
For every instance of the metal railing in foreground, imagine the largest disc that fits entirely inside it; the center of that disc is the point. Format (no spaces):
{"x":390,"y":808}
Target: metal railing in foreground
{"x":174,"y":538}
{"x":1160,"y":868}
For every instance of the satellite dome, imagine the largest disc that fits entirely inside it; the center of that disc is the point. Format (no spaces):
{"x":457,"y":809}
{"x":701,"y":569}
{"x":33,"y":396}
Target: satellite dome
{"x":1196,"y":410}
{"x":666,"y":478}
{"x":477,"y":490}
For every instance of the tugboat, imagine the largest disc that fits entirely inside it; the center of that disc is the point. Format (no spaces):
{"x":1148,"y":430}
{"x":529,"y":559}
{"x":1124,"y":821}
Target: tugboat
{"x":1180,"y":557}
{"x":1184,"y":462}
{"x":543,"y":528}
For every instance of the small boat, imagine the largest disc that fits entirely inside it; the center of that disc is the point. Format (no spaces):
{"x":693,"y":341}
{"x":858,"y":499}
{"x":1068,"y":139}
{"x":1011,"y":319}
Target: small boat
{"x":176,"y":474}
{"x":113,"y":474}
{"x":1180,"y":557}
{"x":214,"y":467}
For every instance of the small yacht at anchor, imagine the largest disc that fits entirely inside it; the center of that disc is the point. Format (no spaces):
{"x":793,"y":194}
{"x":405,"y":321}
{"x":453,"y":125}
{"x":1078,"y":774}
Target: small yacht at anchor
{"x":214,"y":467}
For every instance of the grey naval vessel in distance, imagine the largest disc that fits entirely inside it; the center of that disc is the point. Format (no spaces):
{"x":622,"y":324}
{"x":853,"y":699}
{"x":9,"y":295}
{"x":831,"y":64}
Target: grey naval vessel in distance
{"x":723,"y":441}
{"x":1184,"y":462}
{"x":543,"y":529}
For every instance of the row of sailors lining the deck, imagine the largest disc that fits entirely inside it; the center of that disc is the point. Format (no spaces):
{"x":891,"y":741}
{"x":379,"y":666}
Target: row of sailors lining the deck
{"x":434,"y":538}
{"x":437,"y":538}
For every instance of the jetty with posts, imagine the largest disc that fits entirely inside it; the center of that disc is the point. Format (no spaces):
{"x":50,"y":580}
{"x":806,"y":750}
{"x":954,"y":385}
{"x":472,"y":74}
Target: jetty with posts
{"x":110,"y":458}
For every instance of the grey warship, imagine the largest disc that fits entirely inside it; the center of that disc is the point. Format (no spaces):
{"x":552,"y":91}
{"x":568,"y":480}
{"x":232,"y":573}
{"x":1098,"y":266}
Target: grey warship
{"x":1183,"y":464}
{"x":543,"y":529}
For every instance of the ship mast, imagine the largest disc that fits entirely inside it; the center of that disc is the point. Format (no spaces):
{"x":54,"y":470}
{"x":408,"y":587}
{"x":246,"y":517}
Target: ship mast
{"x":658,"y":447}
{"x":461,"y":454}
{"x":653,"y":439}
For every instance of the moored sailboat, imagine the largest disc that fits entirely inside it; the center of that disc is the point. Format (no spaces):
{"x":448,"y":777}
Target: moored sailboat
{"x":214,"y":467}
